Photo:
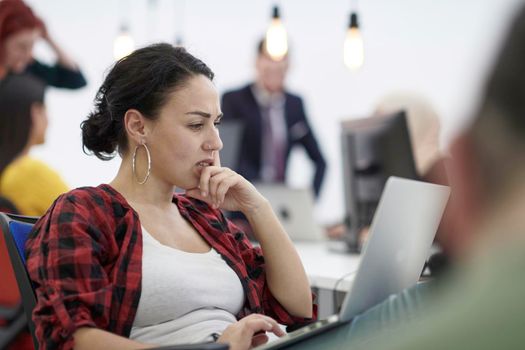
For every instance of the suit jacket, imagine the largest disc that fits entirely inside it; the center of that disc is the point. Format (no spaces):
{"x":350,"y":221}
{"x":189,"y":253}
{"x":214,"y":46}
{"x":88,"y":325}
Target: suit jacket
{"x":241,"y":105}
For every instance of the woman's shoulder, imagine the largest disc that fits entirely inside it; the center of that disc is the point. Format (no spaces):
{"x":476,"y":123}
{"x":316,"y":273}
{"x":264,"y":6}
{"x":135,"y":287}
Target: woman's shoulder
{"x":24,"y":170}
{"x":28,"y":166}
{"x":87,"y":191}
{"x":103,"y":196}
{"x":98,"y":206}
{"x":25,"y":164}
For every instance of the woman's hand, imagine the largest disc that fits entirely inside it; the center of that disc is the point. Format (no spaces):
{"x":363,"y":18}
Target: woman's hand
{"x":224,"y":188}
{"x":62,"y":57}
{"x":250,"y":332}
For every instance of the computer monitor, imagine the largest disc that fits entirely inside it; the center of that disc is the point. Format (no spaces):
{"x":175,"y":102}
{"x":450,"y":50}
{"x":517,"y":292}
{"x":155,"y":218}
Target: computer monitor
{"x":374,"y":149}
{"x":230,"y":132}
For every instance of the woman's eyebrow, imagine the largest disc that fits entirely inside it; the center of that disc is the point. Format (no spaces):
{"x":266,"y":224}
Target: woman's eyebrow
{"x":202,"y":114}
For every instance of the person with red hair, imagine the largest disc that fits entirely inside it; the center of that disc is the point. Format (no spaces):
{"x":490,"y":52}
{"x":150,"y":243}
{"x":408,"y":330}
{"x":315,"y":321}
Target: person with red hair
{"x":20,"y":28}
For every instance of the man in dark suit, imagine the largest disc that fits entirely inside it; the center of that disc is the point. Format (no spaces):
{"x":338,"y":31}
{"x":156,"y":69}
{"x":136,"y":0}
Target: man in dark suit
{"x":273,"y":122}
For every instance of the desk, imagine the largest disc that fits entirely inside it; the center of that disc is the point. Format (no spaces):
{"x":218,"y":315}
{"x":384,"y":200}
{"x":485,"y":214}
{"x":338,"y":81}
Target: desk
{"x":324,"y":268}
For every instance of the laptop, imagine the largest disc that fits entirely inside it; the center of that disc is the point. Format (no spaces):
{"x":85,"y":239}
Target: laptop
{"x":401,"y":234}
{"x":295,"y":209}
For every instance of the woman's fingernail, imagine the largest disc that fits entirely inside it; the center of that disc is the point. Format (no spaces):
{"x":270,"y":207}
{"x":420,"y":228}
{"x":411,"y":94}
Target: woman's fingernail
{"x":203,"y":193}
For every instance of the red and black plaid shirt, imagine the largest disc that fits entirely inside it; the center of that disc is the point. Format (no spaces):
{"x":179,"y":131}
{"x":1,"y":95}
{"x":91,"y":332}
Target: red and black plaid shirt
{"x":84,"y":258}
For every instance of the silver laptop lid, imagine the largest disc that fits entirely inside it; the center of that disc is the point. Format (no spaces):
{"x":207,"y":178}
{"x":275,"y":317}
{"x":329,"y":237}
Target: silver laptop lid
{"x":401,"y":234}
{"x":295,"y":209}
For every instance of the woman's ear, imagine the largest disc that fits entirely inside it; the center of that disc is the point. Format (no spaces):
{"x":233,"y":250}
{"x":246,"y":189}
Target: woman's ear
{"x":134,"y":122}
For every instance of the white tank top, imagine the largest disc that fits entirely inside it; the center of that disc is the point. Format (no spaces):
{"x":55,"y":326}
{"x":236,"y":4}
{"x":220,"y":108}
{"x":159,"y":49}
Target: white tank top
{"x":186,"y":297}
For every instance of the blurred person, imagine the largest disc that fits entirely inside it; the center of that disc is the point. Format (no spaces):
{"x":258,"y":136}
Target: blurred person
{"x":20,"y":28}
{"x":431,"y":164}
{"x":480,"y":304}
{"x":424,"y":130}
{"x":274,"y":121}
{"x":423,"y":125}
{"x":28,"y":183}
{"x":131,"y":263}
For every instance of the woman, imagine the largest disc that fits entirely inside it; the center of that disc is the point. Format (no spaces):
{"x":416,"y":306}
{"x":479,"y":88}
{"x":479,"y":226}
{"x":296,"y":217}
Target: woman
{"x":19,"y":30}
{"x":27,"y":182}
{"x":129,"y":264}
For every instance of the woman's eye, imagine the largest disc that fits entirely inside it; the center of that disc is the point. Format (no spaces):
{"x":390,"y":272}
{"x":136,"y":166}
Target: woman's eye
{"x":217,"y":123}
{"x":196,"y":126}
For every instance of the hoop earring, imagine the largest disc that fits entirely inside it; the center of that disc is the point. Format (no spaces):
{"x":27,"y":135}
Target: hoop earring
{"x":133,"y":164}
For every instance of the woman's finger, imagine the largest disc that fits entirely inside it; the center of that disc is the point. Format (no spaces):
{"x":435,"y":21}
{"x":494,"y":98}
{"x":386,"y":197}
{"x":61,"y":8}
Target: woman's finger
{"x":265,"y":323}
{"x":276,"y":329}
{"x":204,"y":180}
{"x":259,"y":339}
{"x":258,"y":325}
{"x":217,"y":159}
{"x":224,"y":186}
{"x":214,"y":183}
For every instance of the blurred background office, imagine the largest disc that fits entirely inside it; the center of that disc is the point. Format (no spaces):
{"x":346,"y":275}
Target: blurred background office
{"x":439,"y":49}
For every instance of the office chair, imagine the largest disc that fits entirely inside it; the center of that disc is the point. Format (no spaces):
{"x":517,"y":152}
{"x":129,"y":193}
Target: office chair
{"x":14,"y":324}
{"x":16,"y":229}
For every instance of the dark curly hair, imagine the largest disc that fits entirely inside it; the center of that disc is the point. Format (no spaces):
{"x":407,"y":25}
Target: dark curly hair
{"x":140,"y":81}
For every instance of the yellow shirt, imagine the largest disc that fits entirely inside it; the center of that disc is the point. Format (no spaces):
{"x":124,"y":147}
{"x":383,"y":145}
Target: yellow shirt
{"x":31,"y":185}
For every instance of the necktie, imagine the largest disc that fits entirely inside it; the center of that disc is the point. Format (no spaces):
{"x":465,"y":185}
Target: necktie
{"x":273,"y":147}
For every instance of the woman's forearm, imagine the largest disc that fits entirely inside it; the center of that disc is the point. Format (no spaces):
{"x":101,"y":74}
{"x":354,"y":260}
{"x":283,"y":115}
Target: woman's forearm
{"x":284,"y":271}
{"x":62,"y":58}
{"x":94,"y":338}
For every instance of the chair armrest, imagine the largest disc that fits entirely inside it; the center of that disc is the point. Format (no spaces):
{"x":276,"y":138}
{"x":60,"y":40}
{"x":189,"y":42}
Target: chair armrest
{"x":10,"y":313}
{"x":13,"y":330}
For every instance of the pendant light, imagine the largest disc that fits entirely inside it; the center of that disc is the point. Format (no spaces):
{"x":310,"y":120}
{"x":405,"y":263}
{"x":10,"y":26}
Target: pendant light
{"x":123,"y":44}
{"x":179,"y":22}
{"x":353,"y":51}
{"x":276,"y":38}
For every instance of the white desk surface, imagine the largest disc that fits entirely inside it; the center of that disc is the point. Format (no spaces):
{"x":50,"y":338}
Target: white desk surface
{"x":325,"y":267}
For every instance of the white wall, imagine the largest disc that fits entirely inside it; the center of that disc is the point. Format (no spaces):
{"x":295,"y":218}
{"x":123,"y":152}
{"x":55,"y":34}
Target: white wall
{"x":440,"y":49}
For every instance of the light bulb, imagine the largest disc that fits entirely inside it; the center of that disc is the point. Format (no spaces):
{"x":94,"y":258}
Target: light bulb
{"x":276,"y":38}
{"x":123,"y":44}
{"x":179,"y":41}
{"x":353,"y":52}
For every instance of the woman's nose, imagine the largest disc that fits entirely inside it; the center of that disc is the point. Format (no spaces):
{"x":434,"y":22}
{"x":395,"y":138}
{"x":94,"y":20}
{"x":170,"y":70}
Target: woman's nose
{"x":214,"y":143}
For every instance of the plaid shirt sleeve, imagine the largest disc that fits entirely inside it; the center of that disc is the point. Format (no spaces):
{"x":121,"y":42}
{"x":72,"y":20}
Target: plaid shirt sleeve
{"x":65,"y":255}
{"x":254,"y":261}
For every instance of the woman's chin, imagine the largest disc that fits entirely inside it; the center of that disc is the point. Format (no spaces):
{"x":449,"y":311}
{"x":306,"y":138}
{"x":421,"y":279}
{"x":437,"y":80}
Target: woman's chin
{"x":189,"y":185}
